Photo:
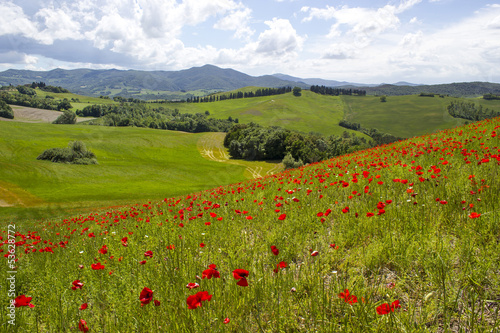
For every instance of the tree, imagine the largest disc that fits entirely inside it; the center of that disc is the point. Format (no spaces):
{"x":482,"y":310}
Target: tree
{"x":67,"y":117}
{"x":64,"y":105}
{"x":383,"y":99}
{"x":6,"y":110}
{"x":297,"y":91}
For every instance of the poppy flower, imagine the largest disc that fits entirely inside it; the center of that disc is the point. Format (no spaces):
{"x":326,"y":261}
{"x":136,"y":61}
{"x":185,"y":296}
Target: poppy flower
{"x":202,"y":244}
{"x":82,"y":326}
{"x":83,"y":306}
{"x":194,"y":301}
{"x":474,"y":215}
{"x":386,"y":308}
{"x":314,"y":253}
{"x":148,"y":254}
{"x":97,"y":266}
{"x":211,"y":272}
{"x":77,"y":285}
{"x":351,"y":299}
{"x":192,"y":285}
{"x":103,"y":249}
{"x":125,"y":241}
{"x":146,"y":296}
{"x":275,"y":250}
{"x":281,"y":264}
{"x":241,"y":275}
{"x":282,"y":216}
{"x":226,"y":321}
{"x":143,"y":262}
{"x":157,"y":302}
{"x":22,"y":300}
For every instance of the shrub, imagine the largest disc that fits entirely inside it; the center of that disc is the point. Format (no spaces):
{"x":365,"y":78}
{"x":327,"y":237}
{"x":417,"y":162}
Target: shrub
{"x":67,"y":117}
{"x":75,"y":153}
{"x":6,"y":110}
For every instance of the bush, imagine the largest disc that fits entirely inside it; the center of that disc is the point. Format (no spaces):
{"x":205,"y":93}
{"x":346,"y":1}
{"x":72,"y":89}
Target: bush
{"x":6,"y":110}
{"x":67,"y":117}
{"x":290,"y":163}
{"x":75,"y":153}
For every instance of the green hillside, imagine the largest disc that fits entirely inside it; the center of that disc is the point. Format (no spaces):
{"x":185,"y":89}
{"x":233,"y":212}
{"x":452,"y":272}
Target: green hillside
{"x":406,"y":116}
{"x":134,"y":164}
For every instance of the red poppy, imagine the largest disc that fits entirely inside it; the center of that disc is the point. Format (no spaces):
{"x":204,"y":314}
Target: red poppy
{"x":146,"y":296}
{"x":314,"y":253}
{"x":241,"y":275}
{"x":202,"y":244}
{"x":281,"y":264}
{"x":22,"y":300}
{"x":282,"y":216}
{"x":275,"y":250}
{"x":103,"y":249}
{"x":226,"y":321}
{"x":157,"y":302}
{"x":142,"y":262}
{"x":194,"y":301}
{"x":474,"y":215}
{"x":124,"y":241}
{"x":97,"y":266}
{"x":386,"y":308}
{"x":148,"y":254}
{"x":77,"y":285}
{"x":192,"y":285}
{"x":211,"y":272}
{"x":82,"y":326}
{"x":351,"y":299}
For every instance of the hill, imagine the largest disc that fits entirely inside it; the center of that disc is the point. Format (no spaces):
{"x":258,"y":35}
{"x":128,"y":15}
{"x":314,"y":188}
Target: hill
{"x":460,"y":89}
{"x":146,"y":84}
{"x":399,"y":238}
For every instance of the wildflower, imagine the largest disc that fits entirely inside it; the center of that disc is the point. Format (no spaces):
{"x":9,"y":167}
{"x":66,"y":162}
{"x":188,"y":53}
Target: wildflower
{"x":282,"y":216}
{"x":97,"y":266}
{"x":226,"y":321}
{"x":275,"y":250}
{"x":77,"y":285}
{"x":157,"y":302}
{"x":125,"y":241}
{"x":103,"y":249}
{"x":148,"y":254}
{"x":192,"y":285}
{"x":82,"y":326}
{"x":210,"y":272}
{"x":351,"y":299}
{"x":241,"y":275}
{"x":386,"y":308}
{"x":22,"y":300}
{"x":83,"y":306}
{"x":146,"y":296}
{"x":194,"y":301}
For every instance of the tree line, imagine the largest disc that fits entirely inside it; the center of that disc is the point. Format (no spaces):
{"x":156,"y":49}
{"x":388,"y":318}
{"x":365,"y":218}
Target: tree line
{"x":139,"y":115}
{"x":470,"y":111}
{"x":255,"y":142}
{"x":30,"y":100}
{"x":323,"y":90}
{"x":240,"y":94}
{"x":378,"y":138}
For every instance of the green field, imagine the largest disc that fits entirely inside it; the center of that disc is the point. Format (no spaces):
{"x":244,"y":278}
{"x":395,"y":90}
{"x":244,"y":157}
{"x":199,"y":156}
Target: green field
{"x":406,"y":116}
{"x":134,"y":164}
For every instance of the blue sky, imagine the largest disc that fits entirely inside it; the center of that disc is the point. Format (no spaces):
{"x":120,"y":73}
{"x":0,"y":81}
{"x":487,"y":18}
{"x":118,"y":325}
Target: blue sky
{"x":365,"y":41}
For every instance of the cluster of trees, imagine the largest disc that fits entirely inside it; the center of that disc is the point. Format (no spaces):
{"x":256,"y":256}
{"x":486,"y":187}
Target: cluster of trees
{"x":32,"y":101}
{"x":378,"y":138}
{"x":75,"y":153}
{"x":44,"y":87}
{"x":6,"y":110}
{"x":68,"y":117}
{"x":241,"y":94}
{"x":490,"y":96}
{"x":470,"y":111}
{"x":323,"y":90}
{"x":255,"y":142}
{"x":139,"y":115}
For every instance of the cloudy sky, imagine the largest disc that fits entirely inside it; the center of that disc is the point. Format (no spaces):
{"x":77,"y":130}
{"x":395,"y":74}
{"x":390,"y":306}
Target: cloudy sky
{"x":366,"y":41}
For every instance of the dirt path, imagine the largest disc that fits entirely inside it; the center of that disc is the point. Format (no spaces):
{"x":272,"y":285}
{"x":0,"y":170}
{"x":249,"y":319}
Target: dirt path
{"x":211,"y":147}
{"x":31,"y":115}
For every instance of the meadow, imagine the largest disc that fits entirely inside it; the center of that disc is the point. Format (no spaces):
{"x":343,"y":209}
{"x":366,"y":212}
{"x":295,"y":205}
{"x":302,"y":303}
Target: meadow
{"x":134,"y":164}
{"x":398,"y":238}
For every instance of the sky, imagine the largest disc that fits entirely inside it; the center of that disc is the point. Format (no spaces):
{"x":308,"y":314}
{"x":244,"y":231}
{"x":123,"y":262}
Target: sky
{"x":362,"y":41}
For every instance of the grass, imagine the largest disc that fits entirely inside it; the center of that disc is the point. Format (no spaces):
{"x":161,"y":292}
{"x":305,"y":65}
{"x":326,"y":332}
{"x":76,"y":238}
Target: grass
{"x":134,"y":164}
{"x":416,"y":222}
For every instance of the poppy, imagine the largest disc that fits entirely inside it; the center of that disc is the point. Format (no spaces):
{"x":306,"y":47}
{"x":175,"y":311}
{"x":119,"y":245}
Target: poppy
{"x":282,"y":216}
{"x":157,"y":302}
{"x":148,"y":254}
{"x":386,"y":308}
{"x":194,"y":301}
{"x":314,"y":253}
{"x":97,"y":266}
{"x":275,"y":250}
{"x":125,"y":241}
{"x":474,"y":215}
{"x":22,"y":300}
{"x":241,"y":275}
{"x":281,"y":264}
{"x":103,"y":249}
{"x":351,"y":299}
{"x":192,"y":285}
{"x":82,"y":326}
{"x":226,"y":321}
{"x":210,"y":272}
{"x":142,"y":262}
{"x":77,"y":285}
{"x":146,"y":296}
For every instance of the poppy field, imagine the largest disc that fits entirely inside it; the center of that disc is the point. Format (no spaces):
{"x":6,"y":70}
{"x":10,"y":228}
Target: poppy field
{"x":398,"y":238}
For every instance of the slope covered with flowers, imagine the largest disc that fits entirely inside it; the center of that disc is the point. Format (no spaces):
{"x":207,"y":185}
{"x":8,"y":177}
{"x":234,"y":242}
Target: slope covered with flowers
{"x":401,"y":237}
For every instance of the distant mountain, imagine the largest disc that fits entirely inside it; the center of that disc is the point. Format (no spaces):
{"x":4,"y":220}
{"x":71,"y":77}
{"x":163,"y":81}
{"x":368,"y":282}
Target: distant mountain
{"x":319,"y":82}
{"x":460,"y":89}
{"x":114,"y":82}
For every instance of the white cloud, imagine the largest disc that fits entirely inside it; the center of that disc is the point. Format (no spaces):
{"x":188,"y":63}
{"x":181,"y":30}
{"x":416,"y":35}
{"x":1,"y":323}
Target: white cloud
{"x":281,"y":38}
{"x":14,"y":21}
{"x":59,"y":24}
{"x":237,"y":21}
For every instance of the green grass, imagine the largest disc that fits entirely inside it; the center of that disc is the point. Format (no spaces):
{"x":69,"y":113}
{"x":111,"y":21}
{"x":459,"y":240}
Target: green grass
{"x":403,"y":116}
{"x":134,"y":164}
{"x":416,"y":222}
{"x":308,"y":113}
